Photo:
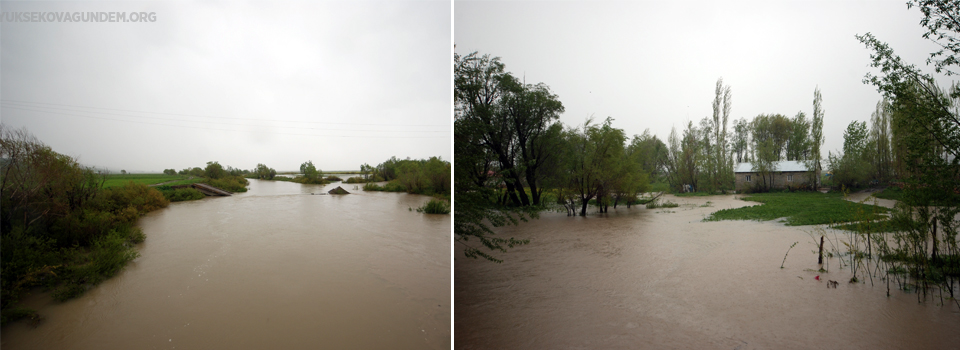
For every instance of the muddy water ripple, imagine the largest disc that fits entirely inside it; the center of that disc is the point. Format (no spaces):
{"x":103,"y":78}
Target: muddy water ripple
{"x":275,"y":268}
{"x":662,"y":278}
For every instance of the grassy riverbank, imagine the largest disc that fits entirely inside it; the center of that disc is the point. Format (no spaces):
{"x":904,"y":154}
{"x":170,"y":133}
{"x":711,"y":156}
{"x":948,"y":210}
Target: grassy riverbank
{"x":801,"y":208}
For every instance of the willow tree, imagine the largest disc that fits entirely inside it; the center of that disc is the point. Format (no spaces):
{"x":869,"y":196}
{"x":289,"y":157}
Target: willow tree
{"x":513,"y":123}
{"x":595,"y":152}
{"x":532,"y":111}
{"x":477,"y":95}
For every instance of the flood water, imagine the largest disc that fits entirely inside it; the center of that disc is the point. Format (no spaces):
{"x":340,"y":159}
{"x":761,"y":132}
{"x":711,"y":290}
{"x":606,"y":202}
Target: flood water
{"x":662,"y":278}
{"x":272,"y":268}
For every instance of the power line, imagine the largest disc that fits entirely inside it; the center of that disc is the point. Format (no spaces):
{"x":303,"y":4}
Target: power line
{"x":202,"y":116}
{"x":37,"y":109}
{"x":204,"y":128}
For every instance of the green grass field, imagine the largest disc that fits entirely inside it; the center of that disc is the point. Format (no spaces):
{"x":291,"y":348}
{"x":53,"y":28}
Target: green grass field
{"x":115,"y":180}
{"x":801,"y":208}
{"x":892,"y":192}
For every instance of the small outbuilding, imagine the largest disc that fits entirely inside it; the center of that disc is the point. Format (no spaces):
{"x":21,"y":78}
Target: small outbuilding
{"x":784,"y":174}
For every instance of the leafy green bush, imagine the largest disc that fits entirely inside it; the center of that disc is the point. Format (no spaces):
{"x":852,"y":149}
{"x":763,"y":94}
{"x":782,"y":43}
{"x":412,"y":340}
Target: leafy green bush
{"x":333,"y":178}
{"x":140,"y":197}
{"x":180,"y":194}
{"x":230,"y":183}
{"x":60,"y":228}
{"x":355,"y":180}
{"x":435,"y":206}
{"x":423,"y":176}
{"x":110,"y":253}
{"x":392,"y":186}
{"x":309,"y":180}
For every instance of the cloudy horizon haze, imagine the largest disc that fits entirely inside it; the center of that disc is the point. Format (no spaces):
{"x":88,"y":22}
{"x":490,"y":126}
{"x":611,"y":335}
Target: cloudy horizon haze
{"x":241,"y":83}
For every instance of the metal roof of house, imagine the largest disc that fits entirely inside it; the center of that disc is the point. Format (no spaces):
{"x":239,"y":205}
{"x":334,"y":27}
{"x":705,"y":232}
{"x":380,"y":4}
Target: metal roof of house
{"x":783,"y":166}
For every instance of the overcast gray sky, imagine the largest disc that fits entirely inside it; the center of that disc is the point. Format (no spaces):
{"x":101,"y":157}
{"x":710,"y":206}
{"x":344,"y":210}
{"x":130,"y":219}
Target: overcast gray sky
{"x":654,"y":64}
{"x":280,"y":83}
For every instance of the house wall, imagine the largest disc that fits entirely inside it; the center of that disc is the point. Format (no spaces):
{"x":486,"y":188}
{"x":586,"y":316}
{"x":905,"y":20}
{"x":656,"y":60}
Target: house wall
{"x":780,"y":180}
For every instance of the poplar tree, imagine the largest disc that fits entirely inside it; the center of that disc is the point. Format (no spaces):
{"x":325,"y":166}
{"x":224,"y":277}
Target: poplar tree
{"x":816,"y":136}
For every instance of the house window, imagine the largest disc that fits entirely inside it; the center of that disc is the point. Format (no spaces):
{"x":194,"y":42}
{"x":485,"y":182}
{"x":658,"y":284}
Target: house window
{"x":748,"y":178}
{"x":790,"y":178}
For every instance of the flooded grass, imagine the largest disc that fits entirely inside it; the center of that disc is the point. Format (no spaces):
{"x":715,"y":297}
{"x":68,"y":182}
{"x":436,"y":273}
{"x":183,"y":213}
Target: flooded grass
{"x":435,"y":206}
{"x":892,"y":192}
{"x":800,"y":208}
{"x":661,"y":204}
{"x":881,"y":226}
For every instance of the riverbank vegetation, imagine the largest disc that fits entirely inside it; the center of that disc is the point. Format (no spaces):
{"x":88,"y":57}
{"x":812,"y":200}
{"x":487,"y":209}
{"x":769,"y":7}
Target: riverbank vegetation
{"x":418,"y":176}
{"x":435,"y":206}
{"x":921,"y":148}
{"x":355,"y":180}
{"x":228,"y":179}
{"x":180,"y":194}
{"x":61,"y":230}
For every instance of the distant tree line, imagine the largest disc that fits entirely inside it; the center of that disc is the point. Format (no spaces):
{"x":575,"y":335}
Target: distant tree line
{"x":421,"y":176}
{"x":309,"y":174}
{"x":704,"y":160}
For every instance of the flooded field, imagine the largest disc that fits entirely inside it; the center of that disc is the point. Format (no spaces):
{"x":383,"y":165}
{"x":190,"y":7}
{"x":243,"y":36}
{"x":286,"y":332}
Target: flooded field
{"x":272,"y":268}
{"x":662,"y":278}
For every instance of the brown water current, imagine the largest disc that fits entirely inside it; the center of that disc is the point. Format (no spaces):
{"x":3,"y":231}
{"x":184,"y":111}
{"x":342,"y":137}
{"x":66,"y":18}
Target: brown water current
{"x":272,"y":268}
{"x":663,"y":278}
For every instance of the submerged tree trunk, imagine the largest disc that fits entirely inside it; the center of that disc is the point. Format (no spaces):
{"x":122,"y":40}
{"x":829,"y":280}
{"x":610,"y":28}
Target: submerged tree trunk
{"x":512,"y":194}
{"x":820,"y":259}
{"x":933,"y":257}
{"x":584,"y":201}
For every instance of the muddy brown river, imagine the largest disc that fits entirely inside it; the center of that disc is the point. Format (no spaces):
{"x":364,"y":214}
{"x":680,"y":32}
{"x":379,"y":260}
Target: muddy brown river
{"x":272,"y":268}
{"x":662,"y":278}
